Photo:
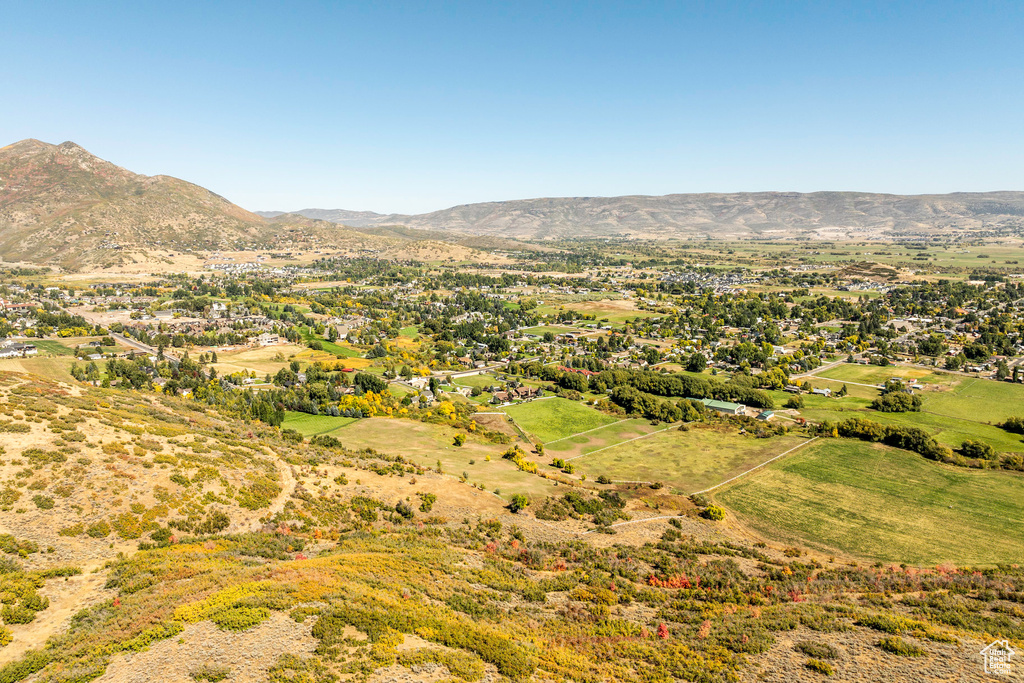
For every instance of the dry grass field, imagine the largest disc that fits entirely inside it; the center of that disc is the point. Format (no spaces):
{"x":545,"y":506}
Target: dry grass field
{"x":686,"y":461}
{"x":427,"y":444}
{"x":269,"y":359}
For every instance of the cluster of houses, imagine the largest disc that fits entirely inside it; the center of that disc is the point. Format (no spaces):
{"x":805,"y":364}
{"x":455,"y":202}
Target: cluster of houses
{"x":719,"y":283}
{"x":10,"y":348}
{"x":19,"y":314}
{"x":517,"y":394}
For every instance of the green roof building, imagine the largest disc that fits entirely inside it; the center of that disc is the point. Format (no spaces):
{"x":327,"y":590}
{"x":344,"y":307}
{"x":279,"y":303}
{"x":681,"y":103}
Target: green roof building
{"x":723,"y":406}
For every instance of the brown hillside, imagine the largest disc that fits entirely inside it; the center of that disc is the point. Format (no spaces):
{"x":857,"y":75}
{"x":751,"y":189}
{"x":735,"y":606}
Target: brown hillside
{"x":59,"y":203}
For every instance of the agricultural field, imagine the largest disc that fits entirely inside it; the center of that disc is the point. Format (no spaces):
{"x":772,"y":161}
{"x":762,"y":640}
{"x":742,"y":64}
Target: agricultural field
{"x":688,"y":461}
{"x":886,"y":254}
{"x":977,"y":399}
{"x":609,"y":435}
{"x":57,"y":348}
{"x":548,"y":419}
{"x":952,"y":431}
{"x":873,"y":374}
{"x":616,"y":311}
{"x":262,"y":360}
{"x":400,"y":391}
{"x":267,"y":360}
{"x":481,"y":380}
{"x":553,"y":329}
{"x":870,"y":501}
{"x":968,"y":409}
{"x":853,"y":390}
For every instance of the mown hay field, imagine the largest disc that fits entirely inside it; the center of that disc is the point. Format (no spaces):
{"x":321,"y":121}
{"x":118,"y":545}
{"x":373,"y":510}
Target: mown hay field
{"x":882,"y":503}
{"x":686,"y":461}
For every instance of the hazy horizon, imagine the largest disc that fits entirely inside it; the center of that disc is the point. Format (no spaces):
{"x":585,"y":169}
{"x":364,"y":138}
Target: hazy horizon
{"x":636,"y":194}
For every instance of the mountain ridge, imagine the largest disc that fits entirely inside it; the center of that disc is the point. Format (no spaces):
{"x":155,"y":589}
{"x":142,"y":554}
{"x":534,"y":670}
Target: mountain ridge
{"x":769,"y":214}
{"x":61,"y":205}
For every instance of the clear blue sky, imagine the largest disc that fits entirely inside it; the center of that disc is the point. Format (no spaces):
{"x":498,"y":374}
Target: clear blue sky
{"x":389,"y":108}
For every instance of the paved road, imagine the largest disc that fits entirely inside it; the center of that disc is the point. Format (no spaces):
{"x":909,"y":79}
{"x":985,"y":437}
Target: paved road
{"x":442,"y":374}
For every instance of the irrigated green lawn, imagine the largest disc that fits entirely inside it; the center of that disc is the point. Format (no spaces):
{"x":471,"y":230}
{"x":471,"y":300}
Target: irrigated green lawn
{"x":555,"y":418}
{"x":686,"y":461}
{"x":882,"y":503}
{"x":313,"y":425}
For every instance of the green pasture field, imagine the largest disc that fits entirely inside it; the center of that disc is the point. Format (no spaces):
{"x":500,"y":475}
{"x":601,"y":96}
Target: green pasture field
{"x":874,"y":374}
{"x":58,"y":348}
{"x":314,"y":425}
{"x":818,"y":408}
{"x":481,"y":381}
{"x":837,"y":294}
{"x":553,"y":329}
{"x":548,"y":419}
{"x":880,"y":503}
{"x":952,"y":431}
{"x":936,"y":256}
{"x":687,"y":461}
{"x":852,"y":390}
{"x":969,"y":410}
{"x":978,"y":399}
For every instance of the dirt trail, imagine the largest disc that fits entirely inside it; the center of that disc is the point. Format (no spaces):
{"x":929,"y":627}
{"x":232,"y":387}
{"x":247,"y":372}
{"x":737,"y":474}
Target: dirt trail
{"x":287,"y":488}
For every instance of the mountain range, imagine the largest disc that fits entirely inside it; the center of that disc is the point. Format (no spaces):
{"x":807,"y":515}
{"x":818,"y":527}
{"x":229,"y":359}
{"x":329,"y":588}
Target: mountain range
{"x":63,"y":206}
{"x":827,"y":215}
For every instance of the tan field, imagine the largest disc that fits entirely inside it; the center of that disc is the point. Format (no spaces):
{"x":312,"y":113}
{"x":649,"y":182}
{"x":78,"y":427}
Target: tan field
{"x":270,"y":359}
